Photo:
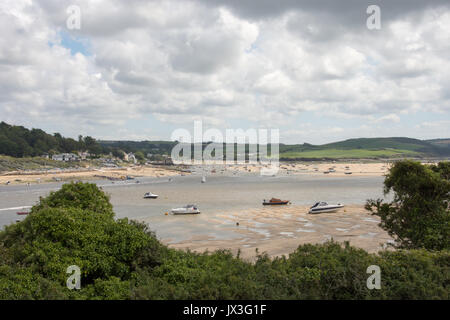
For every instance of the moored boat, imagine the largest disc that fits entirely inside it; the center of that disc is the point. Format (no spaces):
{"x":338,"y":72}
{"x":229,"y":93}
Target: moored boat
{"x":320,"y":207}
{"x":150,"y":195}
{"x":188,"y":209}
{"x":275,"y":201}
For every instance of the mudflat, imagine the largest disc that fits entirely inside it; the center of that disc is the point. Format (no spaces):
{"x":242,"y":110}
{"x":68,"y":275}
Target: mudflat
{"x":280,"y":230}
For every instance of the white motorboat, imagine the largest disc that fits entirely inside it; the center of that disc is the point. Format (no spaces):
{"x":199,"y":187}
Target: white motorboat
{"x":203,"y":179}
{"x":189,"y":209}
{"x":320,"y":207}
{"x":150,"y":195}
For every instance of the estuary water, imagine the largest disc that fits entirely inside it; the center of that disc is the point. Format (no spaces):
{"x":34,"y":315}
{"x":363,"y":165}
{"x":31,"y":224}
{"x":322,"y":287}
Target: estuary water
{"x":221,"y":193}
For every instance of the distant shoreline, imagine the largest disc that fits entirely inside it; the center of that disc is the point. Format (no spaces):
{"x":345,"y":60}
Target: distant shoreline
{"x":52,"y":175}
{"x":335,"y":168}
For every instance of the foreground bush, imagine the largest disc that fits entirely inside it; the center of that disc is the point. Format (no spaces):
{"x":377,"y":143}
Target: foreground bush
{"x":322,"y":271}
{"x":419,"y":215}
{"x":121,"y":259}
{"x":86,"y":196}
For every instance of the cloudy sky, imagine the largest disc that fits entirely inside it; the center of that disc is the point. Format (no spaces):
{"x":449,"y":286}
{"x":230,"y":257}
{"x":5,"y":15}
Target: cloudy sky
{"x":140,"y":69}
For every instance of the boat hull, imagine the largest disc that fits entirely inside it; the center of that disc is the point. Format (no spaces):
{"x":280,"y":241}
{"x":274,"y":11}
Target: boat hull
{"x":184,"y":212}
{"x":275,"y":203}
{"x":324,"y":210}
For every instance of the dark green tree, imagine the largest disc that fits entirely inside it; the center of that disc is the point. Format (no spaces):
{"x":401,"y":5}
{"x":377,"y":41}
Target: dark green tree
{"x":419,"y":215}
{"x":86,"y":196}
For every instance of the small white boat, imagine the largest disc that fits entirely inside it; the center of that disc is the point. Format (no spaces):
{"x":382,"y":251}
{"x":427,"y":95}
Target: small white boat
{"x":320,"y":207}
{"x":150,"y":195}
{"x":189,"y":209}
{"x":203,"y":179}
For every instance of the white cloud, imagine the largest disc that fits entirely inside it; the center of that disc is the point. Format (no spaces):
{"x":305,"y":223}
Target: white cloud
{"x":177,"y":61}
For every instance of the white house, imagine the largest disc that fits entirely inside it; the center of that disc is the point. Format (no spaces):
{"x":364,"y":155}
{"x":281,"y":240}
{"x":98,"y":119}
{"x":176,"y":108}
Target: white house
{"x":84,"y":155}
{"x":65,"y":157}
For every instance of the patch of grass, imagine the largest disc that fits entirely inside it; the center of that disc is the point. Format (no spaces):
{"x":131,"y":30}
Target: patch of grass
{"x":349,"y":153}
{"x":8,"y":163}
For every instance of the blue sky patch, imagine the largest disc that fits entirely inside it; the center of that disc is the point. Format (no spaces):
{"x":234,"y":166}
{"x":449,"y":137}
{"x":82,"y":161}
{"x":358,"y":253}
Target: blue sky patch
{"x":75,"y":44}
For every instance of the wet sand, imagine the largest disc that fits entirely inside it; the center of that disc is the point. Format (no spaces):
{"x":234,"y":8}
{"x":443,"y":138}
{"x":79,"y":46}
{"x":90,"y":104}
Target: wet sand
{"x":280,"y":230}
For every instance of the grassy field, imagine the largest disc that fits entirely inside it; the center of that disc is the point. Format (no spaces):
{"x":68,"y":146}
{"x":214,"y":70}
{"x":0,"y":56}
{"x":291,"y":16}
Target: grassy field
{"x":350,"y":153}
{"x":366,"y":148}
{"x":33,"y":163}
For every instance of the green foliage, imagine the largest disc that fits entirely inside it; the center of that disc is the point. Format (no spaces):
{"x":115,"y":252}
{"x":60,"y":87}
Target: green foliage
{"x":17,"y":283}
{"x":364,"y":148}
{"x":76,"y":226}
{"x":52,"y":239}
{"x":118,"y":153}
{"x":17,"y":141}
{"x":187,"y":275}
{"x":86,"y":196}
{"x":348,"y":153}
{"x":121,"y":259}
{"x":140,"y":156}
{"x":414,"y":274}
{"x":327,"y":271}
{"x":419,"y":215}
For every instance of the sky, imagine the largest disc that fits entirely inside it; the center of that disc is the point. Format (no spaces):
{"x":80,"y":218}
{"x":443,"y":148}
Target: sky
{"x":139,"y":70}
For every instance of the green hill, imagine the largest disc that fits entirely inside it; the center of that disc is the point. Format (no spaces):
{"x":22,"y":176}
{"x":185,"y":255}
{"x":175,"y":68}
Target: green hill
{"x":366,"y":148}
{"x":440,"y":142}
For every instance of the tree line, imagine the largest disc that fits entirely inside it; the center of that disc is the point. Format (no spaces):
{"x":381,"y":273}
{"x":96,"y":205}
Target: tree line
{"x":18,"y":141}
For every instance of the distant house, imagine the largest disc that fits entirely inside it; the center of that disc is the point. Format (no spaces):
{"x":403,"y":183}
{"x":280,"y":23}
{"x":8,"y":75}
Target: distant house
{"x":161,"y":159}
{"x":65,"y":157}
{"x":45,"y":156}
{"x":58,"y":157}
{"x":84,"y":155}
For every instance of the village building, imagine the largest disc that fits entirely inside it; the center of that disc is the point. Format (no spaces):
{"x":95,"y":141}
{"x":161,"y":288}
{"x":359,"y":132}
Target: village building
{"x":65,"y":157}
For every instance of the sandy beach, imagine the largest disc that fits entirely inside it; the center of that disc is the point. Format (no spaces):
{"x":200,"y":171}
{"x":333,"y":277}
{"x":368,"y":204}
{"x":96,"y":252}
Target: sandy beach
{"x":40,"y":176}
{"x":280,"y":230}
{"x":331,"y":168}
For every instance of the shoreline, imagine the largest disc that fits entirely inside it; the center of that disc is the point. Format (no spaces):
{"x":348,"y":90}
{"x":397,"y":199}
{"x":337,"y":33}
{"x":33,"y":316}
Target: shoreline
{"x":325,"y":168}
{"x":52,"y":175}
{"x":278,"y":231}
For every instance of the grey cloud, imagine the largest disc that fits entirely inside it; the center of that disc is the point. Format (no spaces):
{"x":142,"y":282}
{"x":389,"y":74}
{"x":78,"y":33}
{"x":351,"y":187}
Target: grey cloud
{"x":263,"y":60}
{"x":205,"y":54}
{"x":346,"y":10}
